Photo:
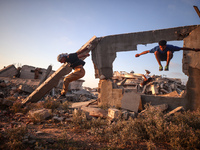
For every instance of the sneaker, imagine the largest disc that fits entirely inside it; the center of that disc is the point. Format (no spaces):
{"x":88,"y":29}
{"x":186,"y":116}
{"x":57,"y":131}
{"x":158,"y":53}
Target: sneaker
{"x":160,"y":68}
{"x":166,"y":68}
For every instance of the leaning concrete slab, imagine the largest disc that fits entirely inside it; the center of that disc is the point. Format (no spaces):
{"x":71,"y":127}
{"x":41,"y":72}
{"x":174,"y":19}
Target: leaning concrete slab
{"x":53,"y":80}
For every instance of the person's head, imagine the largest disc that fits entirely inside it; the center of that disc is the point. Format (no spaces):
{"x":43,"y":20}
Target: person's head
{"x":162,"y":45}
{"x":62,"y":57}
{"x":147,"y":71}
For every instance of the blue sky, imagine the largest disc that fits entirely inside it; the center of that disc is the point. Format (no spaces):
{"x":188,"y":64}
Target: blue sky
{"x":34,"y":32}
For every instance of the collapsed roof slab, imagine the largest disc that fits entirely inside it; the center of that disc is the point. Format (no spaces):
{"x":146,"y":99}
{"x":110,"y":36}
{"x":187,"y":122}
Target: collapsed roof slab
{"x":105,"y":52}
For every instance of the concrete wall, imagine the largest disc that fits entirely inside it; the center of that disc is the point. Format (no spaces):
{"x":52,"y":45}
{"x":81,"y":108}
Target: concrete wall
{"x":191,"y":67}
{"x":105,"y":53}
{"x":172,"y":102}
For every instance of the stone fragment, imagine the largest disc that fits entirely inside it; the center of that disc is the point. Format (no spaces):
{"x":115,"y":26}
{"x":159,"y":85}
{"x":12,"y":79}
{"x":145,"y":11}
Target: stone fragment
{"x":25,"y":88}
{"x":113,"y":113}
{"x":178,"y":109}
{"x":57,"y":119}
{"x":40,"y":114}
{"x":95,"y":112}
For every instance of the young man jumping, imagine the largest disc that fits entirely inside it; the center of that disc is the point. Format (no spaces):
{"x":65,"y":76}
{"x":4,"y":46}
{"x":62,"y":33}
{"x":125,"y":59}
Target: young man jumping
{"x":76,"y":63}
{"x":164,"y":52}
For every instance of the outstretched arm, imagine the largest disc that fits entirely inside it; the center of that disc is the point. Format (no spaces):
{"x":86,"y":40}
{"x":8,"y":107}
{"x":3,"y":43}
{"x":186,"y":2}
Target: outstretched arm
{"x":144,"y":52}
{"x":190,"y":49}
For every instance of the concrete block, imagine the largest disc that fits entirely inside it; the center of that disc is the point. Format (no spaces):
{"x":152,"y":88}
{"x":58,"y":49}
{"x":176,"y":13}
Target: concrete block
{"x":40,"y":114}
{"x":131,"y":101}
{"x":76,"y":85}
{"x":116,"y":98}
{"x":113,"y":113}
{"x":105,"y":93}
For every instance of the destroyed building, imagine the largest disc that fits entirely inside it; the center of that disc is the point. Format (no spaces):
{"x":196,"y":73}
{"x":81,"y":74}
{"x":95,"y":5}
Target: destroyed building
{"x":110,"y":94}
{"x":28,"y":78}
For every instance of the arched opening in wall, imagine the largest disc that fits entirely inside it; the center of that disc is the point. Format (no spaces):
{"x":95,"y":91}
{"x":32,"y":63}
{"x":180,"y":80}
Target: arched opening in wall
{"x":126,"y":62}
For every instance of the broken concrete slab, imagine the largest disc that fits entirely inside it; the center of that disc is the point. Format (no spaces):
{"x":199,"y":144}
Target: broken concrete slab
{"x":131,"y":101}
{"x":40,"y":114}
{"x":172,"y":102}
{"x":95,"y":112}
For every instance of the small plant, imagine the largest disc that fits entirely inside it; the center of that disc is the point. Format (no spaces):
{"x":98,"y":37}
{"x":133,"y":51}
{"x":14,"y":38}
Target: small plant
{"x":80,"y":120}
{"x":51,"y":104}
{"x":65,"y":105}
{"x":17,"y":108}
{"x":14,"y":138}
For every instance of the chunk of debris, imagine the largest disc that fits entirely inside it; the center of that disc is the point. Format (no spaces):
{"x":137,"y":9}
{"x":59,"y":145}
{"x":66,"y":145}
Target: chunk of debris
{"x":178,"y":109}
{"x":40,"y":114}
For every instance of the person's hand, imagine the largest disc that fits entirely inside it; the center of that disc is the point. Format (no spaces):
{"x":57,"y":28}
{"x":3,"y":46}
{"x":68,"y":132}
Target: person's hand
{"x":137,"y":55}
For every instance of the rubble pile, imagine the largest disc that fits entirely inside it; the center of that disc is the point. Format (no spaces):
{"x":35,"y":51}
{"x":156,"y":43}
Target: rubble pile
{"x":158,"y":86}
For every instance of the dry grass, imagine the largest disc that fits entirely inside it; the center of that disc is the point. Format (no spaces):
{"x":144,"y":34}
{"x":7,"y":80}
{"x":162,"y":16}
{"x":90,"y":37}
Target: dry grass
{"x":181,"y":131}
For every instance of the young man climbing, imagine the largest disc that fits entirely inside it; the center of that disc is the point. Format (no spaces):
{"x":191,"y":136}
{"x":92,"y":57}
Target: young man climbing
{"x":74,"y":59}
{"x":164,"y":52}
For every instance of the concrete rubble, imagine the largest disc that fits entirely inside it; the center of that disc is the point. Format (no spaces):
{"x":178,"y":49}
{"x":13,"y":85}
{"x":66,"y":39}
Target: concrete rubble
{"x":81,"y":100}
{"x":158,"y":86}
{"x":18,"y":88}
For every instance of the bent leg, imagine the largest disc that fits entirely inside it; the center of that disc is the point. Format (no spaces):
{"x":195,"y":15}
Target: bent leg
{"x":169,"y":57}
{"x":77,"y":74}
{"x":157,"y":55}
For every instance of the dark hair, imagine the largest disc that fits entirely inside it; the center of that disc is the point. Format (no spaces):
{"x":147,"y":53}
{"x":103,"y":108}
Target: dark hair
{"x":162,"y":43}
